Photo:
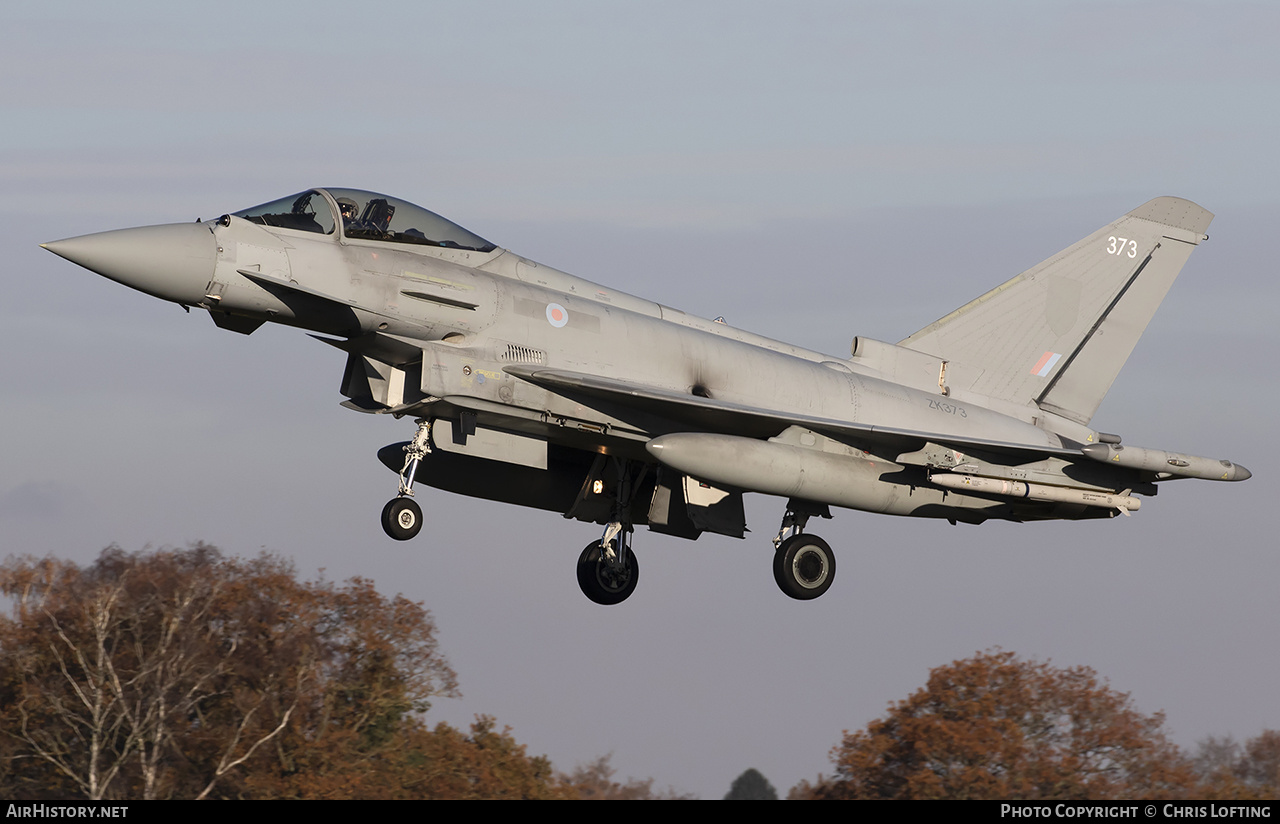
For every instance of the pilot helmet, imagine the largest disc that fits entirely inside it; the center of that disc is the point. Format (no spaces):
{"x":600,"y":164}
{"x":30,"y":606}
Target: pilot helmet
{"x":348,"y":208}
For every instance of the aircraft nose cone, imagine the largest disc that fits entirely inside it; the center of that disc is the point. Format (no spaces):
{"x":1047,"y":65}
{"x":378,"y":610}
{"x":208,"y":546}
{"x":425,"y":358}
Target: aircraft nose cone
{"x":172,"y":262}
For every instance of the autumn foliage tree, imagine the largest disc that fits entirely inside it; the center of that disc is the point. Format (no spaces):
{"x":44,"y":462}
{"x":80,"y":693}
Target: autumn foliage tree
{"x":440,"y":763}
{"x":996,"y":726}
{"x":1228,"y":769}
{"x":189,"y":674}
{"x":595,"y":781}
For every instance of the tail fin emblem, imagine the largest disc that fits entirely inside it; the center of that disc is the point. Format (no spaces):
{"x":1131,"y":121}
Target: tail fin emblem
{"x":1046,"y":363}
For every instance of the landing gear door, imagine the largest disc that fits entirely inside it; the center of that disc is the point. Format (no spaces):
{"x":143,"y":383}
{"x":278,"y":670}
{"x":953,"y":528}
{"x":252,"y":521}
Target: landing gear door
{"x":715,"y":510}
{"x":686,"y":508}
{"x":668,"y":512}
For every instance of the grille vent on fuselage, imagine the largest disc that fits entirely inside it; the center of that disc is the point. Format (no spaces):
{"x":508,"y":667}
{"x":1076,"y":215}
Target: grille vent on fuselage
{"x":524,"y":354}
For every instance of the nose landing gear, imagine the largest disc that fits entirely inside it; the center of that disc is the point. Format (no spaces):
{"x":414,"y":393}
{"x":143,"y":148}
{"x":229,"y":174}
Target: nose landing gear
{"x":402,"y":517}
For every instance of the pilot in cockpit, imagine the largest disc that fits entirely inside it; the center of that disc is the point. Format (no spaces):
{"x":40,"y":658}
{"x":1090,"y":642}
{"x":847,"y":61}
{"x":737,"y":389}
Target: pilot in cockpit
{"x":348,"y":209}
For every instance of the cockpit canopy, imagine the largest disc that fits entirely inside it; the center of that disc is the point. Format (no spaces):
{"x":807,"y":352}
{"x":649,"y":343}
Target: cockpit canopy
{"x":364,"y":216}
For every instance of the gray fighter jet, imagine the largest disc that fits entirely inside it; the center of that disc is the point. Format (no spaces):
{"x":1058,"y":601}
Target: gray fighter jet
{"x":534,"y":387}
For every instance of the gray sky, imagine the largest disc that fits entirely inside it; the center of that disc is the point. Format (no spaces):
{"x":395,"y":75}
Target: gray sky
{"x":812,"y":171}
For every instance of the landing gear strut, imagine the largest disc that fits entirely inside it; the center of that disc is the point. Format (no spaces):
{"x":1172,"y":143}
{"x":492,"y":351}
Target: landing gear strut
{"x":803,"y":565}
{"x":402,"y":517}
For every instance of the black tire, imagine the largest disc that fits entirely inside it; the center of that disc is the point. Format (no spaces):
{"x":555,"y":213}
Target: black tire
{"x":402,"y":518}
{"x":804,"y":567}
{"x":598,"y":580}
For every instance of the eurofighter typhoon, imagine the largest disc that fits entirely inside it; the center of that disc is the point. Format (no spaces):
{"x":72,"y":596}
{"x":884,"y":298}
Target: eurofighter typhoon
{"x":532,"y":386}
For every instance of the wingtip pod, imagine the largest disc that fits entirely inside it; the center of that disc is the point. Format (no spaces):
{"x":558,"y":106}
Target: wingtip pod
{"x":1167,"y":463}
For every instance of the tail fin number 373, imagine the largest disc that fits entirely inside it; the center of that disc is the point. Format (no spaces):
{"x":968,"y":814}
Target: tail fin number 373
{"x":1122,"y":246}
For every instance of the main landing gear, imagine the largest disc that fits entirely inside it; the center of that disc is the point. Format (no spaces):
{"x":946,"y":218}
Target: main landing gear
{"x":402,"y":517}
{"x":803,"y":565}
{"x":607,"y":569}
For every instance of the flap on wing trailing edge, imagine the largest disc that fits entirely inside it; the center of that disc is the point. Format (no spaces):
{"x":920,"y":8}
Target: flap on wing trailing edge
{"x":714,"y":415}
{"x":1058,"y":334}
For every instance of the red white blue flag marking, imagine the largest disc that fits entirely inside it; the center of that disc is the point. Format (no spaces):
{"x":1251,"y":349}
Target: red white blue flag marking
{"x":1046,"y":363}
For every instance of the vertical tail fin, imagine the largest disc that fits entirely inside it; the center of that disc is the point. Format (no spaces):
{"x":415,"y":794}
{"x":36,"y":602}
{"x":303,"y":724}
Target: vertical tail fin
{"x":1058,"y":334}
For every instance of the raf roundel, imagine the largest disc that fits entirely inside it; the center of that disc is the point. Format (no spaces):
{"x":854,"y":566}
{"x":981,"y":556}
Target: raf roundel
{"x":557,"y":315}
